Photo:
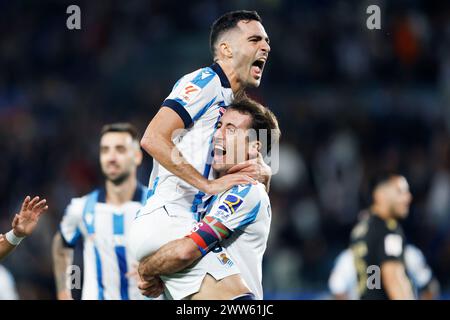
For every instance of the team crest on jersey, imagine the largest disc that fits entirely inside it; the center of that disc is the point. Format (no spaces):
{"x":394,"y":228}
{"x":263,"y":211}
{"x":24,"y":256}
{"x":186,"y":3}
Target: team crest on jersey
{"x":189,"y":92}
{"x":229,"y":206}
{"x":224,"y":260}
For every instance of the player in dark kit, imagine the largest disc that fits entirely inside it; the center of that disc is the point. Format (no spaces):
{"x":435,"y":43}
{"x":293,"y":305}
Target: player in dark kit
{"x":378,"y":242}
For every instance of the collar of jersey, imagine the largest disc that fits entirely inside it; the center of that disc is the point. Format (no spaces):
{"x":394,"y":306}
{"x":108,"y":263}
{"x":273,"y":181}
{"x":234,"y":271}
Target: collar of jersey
{"x":222,"y":76}
{"x":136,"y":197}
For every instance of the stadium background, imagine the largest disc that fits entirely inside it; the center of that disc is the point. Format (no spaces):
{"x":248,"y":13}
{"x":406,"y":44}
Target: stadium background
{"x":350,"y":101}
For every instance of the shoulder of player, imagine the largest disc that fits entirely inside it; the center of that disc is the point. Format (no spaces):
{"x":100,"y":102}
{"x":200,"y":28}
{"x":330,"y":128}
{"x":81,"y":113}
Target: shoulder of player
{"x":3,"y":271}
{"x":346,"y":255}
{"x":78,"y":203}
{"x":413,"y":255}
{"x":6,"y":277}
{"x":250,"y":192}
{"x":382,"y":231}
{"x":377,"y":225}
{"x":202,"y":77}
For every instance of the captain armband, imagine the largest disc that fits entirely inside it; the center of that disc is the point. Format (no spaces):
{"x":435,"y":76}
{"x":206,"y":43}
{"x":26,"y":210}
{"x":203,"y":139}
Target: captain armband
{"x":207,"y":233}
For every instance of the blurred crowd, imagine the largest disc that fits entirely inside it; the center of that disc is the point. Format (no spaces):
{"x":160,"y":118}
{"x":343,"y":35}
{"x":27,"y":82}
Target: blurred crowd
{"x":350,"y":101}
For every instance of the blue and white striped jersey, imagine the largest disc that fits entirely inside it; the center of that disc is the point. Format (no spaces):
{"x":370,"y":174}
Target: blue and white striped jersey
{"x":104,"y":229}
{"x":200,"y":99}
{"x":246,"y":212}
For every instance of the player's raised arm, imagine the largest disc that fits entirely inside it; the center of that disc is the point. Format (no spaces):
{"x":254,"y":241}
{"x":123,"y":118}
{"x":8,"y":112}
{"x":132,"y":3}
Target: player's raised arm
{"x":23,"y":224}
{"x":157,"y":142}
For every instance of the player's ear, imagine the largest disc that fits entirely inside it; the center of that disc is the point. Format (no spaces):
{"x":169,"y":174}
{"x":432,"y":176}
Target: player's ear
{"x":225,"y":49}
{"x":254,"y":149}
{"x":138,"y":157}
{"x":377,"y":195}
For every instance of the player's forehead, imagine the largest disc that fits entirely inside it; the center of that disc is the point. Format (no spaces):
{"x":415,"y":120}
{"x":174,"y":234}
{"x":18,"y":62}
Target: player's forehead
{"x":235,"y":118}
{"x":248,"y":28}
{"x":116,"y":138}
{"x":400,"y":183}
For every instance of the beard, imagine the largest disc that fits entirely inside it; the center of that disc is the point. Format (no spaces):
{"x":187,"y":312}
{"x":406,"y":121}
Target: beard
{"x":399,"y":213}
{"x":119,"y":179}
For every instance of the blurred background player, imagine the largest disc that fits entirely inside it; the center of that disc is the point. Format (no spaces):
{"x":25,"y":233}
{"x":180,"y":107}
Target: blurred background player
{"x":379,"y":241}
{"x":102,"y":219}
{"x":182,"y":161}
{"x":343,"y":281}
{"x":23,"y":224}
{"x":239,"y":218}
{"x":8,"y":289}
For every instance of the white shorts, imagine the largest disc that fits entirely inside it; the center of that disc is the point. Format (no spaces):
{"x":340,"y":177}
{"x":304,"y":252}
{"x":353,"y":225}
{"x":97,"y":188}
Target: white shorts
{"x":152,"y":230}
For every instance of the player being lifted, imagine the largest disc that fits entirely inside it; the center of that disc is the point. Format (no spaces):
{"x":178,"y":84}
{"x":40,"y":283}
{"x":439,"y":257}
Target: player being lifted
{"x":181,"y":175}
{"x":23,"y":224}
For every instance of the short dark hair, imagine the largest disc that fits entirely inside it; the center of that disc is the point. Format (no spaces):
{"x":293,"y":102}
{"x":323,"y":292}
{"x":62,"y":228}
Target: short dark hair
{"x":380,"y":179}
{"x":227,"y":22}
{"x":375,"y":181}
{"x":262,"y":119}
{"x":120,"y":127}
